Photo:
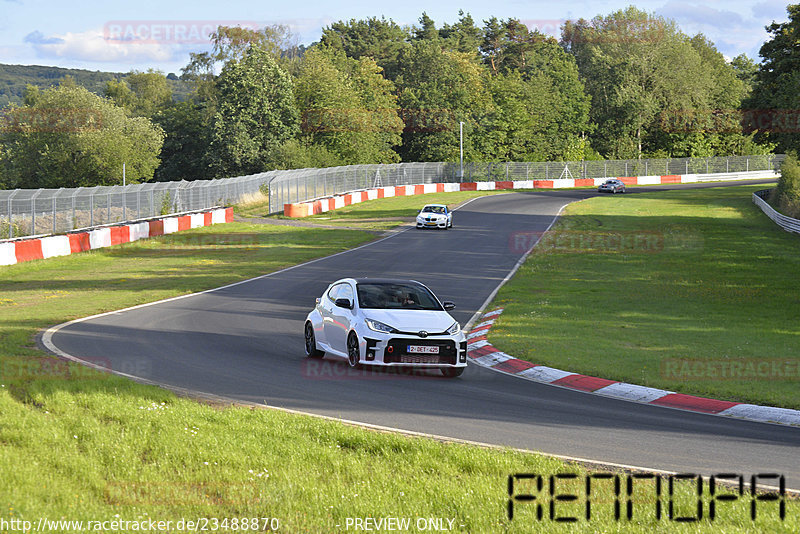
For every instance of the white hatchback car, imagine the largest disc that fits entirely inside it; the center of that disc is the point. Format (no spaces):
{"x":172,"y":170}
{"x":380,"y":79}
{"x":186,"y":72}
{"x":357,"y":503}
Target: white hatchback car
{"x":435,"y":216}
{"x":385,"y":322}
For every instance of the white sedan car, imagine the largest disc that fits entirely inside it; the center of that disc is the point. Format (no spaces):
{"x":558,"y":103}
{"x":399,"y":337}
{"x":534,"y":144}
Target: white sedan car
{"x":435,"y":216}
{"x":382,"y":322}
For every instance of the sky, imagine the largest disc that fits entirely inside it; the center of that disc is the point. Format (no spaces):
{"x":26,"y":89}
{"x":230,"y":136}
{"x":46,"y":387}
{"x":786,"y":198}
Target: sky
{"x":160,"y":34}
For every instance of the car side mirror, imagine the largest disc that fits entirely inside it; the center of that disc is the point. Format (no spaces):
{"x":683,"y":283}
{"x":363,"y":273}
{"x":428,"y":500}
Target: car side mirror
{"x":344,"y":303}
{"x":449,"y":305}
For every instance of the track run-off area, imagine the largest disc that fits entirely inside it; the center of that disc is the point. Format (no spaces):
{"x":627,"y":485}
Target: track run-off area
{"x":244,"y":342}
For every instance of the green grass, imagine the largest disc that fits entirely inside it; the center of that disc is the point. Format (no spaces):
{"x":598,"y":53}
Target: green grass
{"x":703,"y":277}
{"x":382,"y":214}
{"x":81,"y":445}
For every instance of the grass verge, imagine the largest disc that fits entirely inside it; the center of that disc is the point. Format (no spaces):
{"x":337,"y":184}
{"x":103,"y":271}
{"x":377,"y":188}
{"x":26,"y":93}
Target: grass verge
{"x":383,"y":214}
{"x":76,"y":445}
{"x":690,"y":291}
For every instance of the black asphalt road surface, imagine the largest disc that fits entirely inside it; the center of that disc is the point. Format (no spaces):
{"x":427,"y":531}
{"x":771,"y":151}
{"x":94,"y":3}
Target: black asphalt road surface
{"x":245,"y":342}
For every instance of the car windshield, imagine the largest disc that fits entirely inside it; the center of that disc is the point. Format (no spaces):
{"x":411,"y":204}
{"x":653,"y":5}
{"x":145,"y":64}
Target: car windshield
{"x":389,"y":295}
{"x":433,"y":209}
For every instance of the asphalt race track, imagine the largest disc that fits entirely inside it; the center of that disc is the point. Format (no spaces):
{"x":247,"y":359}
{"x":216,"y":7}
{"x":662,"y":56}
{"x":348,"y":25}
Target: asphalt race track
{"x":245,"y":342}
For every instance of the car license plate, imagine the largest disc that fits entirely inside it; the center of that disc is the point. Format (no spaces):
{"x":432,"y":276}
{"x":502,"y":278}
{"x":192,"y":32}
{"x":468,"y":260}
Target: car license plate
{"x":422,"y":349}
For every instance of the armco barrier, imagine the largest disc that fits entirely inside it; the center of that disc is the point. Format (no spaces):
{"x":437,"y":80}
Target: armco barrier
{"x":313,"y":207}
{"x":787,"y":223}
{"x":22,"y":250}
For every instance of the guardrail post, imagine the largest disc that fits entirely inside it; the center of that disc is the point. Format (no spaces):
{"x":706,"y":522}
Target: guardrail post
{"x":54,"y":212}
{"x":11,"y":215}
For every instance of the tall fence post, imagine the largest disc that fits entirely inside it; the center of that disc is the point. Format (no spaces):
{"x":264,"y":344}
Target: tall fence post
{"x":11,"y":214}
{"x":54,"y":210}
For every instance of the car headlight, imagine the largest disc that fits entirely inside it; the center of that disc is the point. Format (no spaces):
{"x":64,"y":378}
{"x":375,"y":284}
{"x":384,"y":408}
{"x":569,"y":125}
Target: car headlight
{"x":378,"y":326}
{"x":455,"y":328}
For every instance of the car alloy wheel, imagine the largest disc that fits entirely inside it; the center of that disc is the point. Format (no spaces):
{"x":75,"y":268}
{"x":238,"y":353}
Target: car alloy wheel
{"x":311,"y":343}
{"x":353,"y":352}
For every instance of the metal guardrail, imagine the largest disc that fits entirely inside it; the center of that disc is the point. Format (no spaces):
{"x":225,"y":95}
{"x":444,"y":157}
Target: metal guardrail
{"x":787,"y":223}
{"x":26,"y":212}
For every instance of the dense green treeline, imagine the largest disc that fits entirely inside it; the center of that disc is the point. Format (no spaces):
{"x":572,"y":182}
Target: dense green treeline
{"x":628,"y":84}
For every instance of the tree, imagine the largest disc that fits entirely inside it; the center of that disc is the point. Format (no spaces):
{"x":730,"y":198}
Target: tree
{"x":494,"y":42}
{"x":775,"y":98}
{"x":786,"y":196}
{"x":255,"y":114}
{"x":152,"y":91}
{"x":188,"y":128}
{"x":463,"y":36}
{"x":69,"y":137}
{"x":142,"y":94}
{"x":636,"y":67}
{"x":348,"y":107}
{"x":427,"y":29}
{"x":438,"y":89}
{"x":745,"y":69}
{"x":380,"y":39}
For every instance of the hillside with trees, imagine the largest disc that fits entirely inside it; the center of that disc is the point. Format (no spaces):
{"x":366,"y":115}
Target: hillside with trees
{"x":629,"y":84}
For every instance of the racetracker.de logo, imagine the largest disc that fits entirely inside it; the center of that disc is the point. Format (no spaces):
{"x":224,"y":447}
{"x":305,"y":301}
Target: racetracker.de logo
{"x":339,"y":370}
{"x":585,"y":242}
{"x":168,"y":31}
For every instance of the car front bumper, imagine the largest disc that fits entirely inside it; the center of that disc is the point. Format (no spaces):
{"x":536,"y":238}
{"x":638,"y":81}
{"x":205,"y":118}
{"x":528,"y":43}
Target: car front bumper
{"x":392,"y":350}
{"x":432,"y":224}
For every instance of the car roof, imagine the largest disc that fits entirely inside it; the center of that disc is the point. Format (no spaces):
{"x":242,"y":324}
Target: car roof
{"x":366,"y":280}
{"x":434,"y":206}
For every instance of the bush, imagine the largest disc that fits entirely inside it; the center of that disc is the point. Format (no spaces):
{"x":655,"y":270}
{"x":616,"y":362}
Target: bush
{"x":786,"y":196}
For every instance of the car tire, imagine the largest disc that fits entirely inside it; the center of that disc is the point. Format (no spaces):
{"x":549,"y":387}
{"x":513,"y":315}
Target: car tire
{"x":353,"y":351}
{"x":311,"y":343}
{"x":452,"y":372}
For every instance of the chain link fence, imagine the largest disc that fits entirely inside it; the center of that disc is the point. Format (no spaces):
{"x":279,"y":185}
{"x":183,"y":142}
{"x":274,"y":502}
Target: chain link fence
{"x":27,"y":212}
{"x":306,"y":184}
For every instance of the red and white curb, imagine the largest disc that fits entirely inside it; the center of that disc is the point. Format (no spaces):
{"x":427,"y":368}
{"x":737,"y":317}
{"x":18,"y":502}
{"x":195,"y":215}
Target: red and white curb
{"x":314,"y":207}
{"x":481,"y":352}
{"x":39,"y":248}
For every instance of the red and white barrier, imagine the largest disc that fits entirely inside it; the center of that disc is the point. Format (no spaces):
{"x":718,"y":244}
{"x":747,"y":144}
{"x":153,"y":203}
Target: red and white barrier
{"x":481,"y":352}
{"x":12,"y":252}
{"x":314,"y":207}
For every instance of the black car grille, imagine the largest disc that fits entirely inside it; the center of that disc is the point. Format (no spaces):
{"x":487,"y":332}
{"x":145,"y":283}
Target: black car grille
{"x":399,"y":351}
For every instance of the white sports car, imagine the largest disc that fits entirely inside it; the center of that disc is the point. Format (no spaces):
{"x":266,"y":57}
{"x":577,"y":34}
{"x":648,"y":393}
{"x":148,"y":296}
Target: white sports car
{"x":383,"y":322}
{"x":435,"y":216}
